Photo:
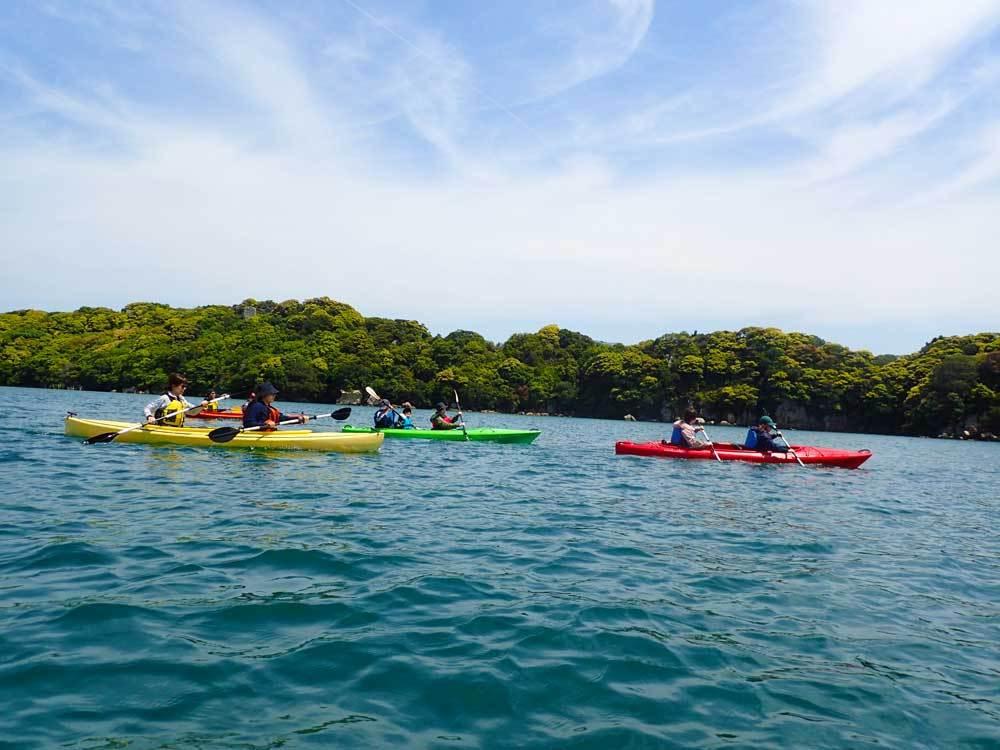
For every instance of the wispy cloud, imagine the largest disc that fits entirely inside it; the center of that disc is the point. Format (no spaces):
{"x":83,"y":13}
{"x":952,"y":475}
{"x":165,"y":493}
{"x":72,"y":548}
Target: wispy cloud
{"x":595,"y":40}
{"x":886,"y":50}
{"x":537,"y":156}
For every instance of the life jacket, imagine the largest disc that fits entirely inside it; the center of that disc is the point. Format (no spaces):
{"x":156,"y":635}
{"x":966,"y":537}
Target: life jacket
{"x":751,"y":439}
{"x":172,"y":414}
{"x":212,"y":406}
{"x":274,"y":415}
{"x":385,"y":419}
{"x":443,"y":417}
{"x":677,"y":437}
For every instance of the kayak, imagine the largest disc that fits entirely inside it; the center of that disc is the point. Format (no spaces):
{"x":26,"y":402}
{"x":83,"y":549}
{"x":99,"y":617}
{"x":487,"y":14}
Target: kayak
{"x":733,"y":452}
{"x":476,"y":434}
{"x":206,"y":414}
{"x":198,"y":436}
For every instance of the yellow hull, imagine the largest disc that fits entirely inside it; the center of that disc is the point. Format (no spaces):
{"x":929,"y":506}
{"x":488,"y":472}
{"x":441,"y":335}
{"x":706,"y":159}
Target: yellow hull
{"x":198,"y":436}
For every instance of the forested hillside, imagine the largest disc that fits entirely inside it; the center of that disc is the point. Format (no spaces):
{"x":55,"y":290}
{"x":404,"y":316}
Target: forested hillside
{"x":315,"y":349}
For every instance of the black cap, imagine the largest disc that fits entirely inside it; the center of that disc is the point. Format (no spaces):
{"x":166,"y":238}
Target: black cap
{"x":265,"y":389}
{"x":440,"y":406}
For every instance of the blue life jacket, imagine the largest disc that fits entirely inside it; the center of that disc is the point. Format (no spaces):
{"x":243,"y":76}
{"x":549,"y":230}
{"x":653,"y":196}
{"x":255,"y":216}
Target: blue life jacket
{"x":387,"y":419}
{"x":408,"y":424}
{"x":677,"y":437}
{"x":751,"y":441}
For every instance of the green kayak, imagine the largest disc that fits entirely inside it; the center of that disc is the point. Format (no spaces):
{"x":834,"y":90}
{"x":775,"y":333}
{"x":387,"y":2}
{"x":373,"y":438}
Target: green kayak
{"x":477,"y":434}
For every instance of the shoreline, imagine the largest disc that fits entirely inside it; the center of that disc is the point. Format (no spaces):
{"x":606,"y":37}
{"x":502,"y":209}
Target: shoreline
{"x":969,"y":436}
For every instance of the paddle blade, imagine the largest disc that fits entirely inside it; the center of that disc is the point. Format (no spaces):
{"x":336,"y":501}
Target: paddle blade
{"x":104,"y":437}
{"x":223,"y":434}
{"x":342,"y":414}
{"x":371,"y":392}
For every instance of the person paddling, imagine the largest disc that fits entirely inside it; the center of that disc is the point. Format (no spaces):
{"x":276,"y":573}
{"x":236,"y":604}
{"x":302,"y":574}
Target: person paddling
{"x":762,"y":437}
{"x":261,"y":413}
{"x":685,"y":433}
{"x":386,"y":416}
{"x":441,"y":420}
{"x":169,"y":409}
{"x":213,"y":401}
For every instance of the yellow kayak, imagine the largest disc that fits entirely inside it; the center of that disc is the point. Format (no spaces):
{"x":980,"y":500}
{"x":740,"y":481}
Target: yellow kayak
{"x":198,"y":436}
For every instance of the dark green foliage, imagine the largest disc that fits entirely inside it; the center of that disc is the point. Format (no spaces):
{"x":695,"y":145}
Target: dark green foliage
{"x":313,"y":350}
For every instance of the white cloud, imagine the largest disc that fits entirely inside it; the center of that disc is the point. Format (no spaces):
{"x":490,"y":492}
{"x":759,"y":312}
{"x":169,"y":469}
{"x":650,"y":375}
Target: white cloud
{"x":599,"y":40}
{"x":294,"y":191}
{"x":892,"y":46}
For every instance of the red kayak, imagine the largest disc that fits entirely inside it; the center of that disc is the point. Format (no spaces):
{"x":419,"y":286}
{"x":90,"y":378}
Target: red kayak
{"x":733,"y":452}
{"x":206,"y":414}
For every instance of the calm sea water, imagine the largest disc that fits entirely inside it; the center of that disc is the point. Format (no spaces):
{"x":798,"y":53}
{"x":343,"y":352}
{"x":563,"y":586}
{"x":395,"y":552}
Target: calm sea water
{"x":483,"y":596}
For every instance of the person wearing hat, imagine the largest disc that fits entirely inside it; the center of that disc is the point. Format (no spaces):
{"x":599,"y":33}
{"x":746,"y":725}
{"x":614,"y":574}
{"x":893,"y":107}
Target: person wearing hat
{"x":761,"y":437}
{"x":686,"y":429}
{"x":441,"y":420}
{"x":170,"y":408}
{"x":386,"y":416}
{"x":261,"y":413}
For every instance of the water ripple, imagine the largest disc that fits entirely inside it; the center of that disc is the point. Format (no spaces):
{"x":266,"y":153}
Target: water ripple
{"x":484,"y":596}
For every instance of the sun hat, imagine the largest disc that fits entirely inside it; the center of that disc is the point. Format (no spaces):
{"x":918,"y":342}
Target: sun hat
{"x":766,"y":420}
{"x":265,"y":389}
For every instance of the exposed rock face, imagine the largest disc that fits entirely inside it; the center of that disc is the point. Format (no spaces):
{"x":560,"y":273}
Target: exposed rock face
{"x":351,"y":398}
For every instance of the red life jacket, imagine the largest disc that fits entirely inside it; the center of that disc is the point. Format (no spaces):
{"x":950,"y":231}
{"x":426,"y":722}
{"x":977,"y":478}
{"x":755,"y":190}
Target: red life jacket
{"x":274,"y":415}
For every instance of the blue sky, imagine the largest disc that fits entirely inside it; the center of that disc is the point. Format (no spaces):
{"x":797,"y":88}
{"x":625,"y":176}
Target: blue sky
{"x":620,"y":167}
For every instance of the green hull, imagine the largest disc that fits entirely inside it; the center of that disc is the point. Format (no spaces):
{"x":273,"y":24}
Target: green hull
{"x":476,"y":434}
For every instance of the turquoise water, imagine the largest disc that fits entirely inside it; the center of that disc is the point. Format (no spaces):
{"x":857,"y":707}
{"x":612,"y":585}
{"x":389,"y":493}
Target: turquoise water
{"x":461,"y":595}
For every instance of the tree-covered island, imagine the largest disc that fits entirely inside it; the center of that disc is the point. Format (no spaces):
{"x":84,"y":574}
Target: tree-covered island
{"x":317,"y":349}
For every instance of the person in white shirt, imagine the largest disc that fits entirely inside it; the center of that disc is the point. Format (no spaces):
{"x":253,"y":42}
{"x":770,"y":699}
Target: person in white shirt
{"x":685,"y":433}
{"x":169,"y":409}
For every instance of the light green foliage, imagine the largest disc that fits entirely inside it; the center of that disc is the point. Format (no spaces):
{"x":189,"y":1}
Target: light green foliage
{"x":314,"y":349}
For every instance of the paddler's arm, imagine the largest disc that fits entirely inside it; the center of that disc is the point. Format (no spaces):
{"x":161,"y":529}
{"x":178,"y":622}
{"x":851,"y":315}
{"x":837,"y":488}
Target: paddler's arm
{"x":152,"y":406}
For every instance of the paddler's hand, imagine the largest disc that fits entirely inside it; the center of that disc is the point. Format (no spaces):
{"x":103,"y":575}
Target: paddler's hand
{"x":150,"y":419}
{"x":203,"y":405}
{"x":269,"y":423}
{"x":303,"y":419}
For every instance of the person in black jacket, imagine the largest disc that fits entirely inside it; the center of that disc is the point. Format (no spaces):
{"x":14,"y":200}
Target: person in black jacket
{"x":260,"y":412}
{"x":762,"y":437}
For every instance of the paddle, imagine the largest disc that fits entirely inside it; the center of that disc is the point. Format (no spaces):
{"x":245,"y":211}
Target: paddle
{"x":225,"y":434}
{"x":459,"y":407}
{"x":712,"y":443}
{"x":794,"y":455}
{"x":107,"y":437}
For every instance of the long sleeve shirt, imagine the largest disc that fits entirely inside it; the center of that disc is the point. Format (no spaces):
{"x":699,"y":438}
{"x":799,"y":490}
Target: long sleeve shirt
{"x":766,"y":443}
{"x":690,"y":435}
{"x":257,"y":413}
{"x":162,"y":402}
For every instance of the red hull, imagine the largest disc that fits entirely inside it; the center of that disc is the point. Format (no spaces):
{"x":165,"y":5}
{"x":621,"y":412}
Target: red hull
{"x":730,"y":452}
{"x":217,"y":415}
